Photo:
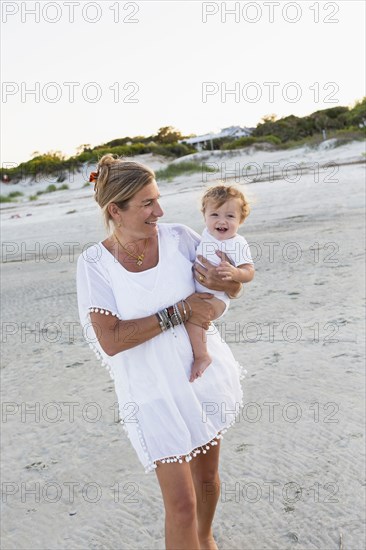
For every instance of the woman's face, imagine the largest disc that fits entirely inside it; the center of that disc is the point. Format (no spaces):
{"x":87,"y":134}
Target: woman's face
{"x":139,"y":220}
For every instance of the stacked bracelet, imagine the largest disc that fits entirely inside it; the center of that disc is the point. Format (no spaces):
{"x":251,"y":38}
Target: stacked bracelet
{"x":164,"y":320}
{"x":177,"y":314}
{"x":170,"y":317}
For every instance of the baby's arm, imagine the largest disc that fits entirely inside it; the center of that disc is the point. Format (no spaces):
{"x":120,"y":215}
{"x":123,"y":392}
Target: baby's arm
{"x":242,"y":274}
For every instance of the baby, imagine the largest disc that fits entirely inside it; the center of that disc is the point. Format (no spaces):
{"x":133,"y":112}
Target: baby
{"x":224,"y":209}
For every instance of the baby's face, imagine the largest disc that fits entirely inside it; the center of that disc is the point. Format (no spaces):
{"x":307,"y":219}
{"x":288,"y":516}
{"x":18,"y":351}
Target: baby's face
{"x":223,"y":222}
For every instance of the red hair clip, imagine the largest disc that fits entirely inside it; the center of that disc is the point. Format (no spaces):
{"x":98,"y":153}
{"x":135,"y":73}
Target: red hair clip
{"x":93,"y":176}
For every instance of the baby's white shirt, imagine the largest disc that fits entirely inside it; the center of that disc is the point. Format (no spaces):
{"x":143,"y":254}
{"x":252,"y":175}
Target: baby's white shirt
{"x":236,"y":248}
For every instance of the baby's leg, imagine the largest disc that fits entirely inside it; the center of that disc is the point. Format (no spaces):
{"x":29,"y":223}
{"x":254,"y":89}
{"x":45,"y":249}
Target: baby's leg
{"x":202,"y":359}
{"x":198,"y":339}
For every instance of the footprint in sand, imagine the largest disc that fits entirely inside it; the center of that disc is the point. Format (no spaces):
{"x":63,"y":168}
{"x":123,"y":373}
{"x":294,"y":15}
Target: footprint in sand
{"x":36,"y":466}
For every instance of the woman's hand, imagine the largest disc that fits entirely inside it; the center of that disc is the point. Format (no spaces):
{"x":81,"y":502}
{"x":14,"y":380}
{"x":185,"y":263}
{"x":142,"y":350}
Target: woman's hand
{"x":202,"y":311}
{"x":209,"y":276}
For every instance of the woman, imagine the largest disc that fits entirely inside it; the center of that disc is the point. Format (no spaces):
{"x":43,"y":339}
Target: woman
{"x":135,"y":295}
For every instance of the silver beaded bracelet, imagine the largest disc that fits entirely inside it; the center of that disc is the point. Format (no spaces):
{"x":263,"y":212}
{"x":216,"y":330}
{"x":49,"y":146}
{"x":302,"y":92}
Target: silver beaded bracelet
{"x":174,"y":319}
{"x":177,"y":314}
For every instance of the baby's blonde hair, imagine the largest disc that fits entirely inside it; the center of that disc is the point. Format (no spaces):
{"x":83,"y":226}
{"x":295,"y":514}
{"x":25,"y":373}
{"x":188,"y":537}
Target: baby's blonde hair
{"x":221,"y":194}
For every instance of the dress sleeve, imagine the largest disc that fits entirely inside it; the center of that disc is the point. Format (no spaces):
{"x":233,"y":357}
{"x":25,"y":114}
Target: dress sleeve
{"x":94,"y":290}
{"x":188,"y":241}
{"x":94,"y":293}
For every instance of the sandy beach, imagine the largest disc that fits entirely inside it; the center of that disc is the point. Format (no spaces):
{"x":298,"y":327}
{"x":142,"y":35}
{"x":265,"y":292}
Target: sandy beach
{"x":292,"y":467}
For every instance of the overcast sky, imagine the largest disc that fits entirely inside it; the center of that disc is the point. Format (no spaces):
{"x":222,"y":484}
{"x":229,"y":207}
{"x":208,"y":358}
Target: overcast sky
{"x":103,"y":70}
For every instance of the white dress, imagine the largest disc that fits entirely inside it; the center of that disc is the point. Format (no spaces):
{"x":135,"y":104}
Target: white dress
{"x":166,"y":417}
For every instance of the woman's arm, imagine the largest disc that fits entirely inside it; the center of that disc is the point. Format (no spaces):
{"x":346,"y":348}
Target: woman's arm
{"x":115,"y":335}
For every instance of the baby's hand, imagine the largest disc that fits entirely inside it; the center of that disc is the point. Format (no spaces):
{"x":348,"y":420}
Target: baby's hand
{"x":226,"y":271}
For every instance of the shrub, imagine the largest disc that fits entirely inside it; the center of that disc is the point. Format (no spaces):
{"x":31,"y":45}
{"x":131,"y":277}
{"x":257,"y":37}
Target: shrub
{"x":122,"y":150}
{"x":239,"y":143}
{"x":5,"y":198}
{"x":51,"y":188}
{"x":348,"y":134}
{"x":353,"y":132}
{"x":11,"y":196}
{"x":173,"y":150}
{"x":173,"y":170}
{"x":269,"y":139}
{"x":357,"y":115}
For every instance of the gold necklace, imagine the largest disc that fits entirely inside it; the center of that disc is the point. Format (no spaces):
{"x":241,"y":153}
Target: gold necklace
{"x":140,"y":257}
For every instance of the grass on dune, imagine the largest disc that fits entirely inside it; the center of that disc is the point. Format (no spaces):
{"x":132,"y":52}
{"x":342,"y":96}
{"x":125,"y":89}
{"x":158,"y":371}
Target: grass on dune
{"x":11,"y":196}
{"x":189,"y":167}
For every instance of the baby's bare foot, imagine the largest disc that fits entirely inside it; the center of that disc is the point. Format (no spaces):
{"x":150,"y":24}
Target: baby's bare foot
{"x":199,"y":366}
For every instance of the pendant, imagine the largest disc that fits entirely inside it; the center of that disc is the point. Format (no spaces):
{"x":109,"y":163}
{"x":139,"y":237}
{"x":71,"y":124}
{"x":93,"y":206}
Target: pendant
{"x":140,"y":259}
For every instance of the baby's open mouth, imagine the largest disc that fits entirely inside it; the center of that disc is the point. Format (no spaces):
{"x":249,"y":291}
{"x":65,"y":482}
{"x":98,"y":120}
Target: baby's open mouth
{"x":221,"y":229}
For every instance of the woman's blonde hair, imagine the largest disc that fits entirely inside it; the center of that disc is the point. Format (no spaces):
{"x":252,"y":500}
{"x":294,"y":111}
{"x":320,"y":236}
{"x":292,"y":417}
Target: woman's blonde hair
{"x":117,"y":180}
{"x":221,"y":194}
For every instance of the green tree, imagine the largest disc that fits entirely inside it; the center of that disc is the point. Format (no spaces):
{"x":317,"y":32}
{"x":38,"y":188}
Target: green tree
{"x":269,"y":118}
{"x":82,"y":148}
{"x":167,"y":134}
{"x":357,"y":115}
